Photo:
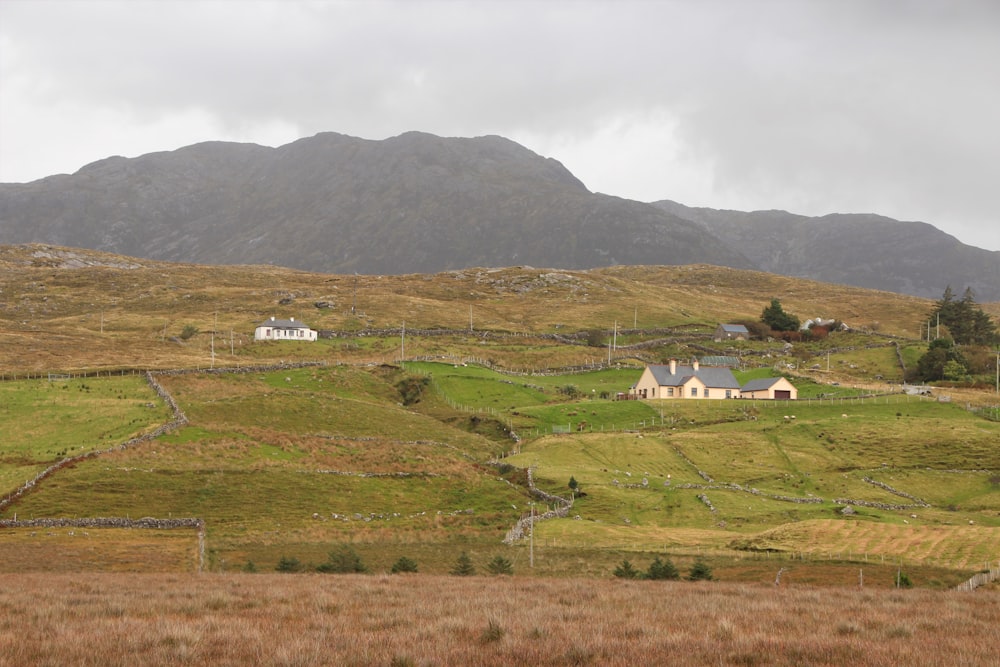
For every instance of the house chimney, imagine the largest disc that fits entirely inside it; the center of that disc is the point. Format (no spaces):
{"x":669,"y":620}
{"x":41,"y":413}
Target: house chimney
{"x":673,"y":367}
{"x":272,"y":318}
{"x":694,"y":364}
{"x":291,"y":319}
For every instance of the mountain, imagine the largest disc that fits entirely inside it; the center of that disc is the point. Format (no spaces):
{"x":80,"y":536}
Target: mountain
{"x":415,"y":203}
{"x":864,"y":250}
{"x":418,"y":203}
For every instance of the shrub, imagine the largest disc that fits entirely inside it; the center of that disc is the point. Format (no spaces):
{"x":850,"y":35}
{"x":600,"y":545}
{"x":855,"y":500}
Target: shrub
{"x":343,"y":560}
{"x":411,"y":388}
{"x":700,"y":571}
{"x":250,"y":566}
{"x":188,"y":331}
{"x":626,"y":571}
{"x":494,"y":632}
{"x":500,"y":565}
{"x":288,"y":564}
{"x":463,"y":566}
{"x":663,"y":569}
{"x":404,"y":564}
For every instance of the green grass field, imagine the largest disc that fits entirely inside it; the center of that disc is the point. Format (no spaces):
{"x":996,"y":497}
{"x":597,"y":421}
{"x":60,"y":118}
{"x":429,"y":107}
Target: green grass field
{"x":361,"y":450}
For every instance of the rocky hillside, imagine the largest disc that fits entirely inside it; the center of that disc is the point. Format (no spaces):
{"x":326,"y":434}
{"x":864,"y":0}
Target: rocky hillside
{"x":415,"y":203}
{"x":862,"y":250}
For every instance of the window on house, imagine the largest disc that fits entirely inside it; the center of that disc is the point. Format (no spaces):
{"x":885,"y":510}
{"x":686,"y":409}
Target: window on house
{"x":694,"y":392}
{"x":729,"y":393}
{"x":670,"y":391}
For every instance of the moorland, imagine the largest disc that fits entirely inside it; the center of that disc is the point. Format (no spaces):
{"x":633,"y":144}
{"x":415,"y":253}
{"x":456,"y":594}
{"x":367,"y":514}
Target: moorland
{"x":438,"y":412}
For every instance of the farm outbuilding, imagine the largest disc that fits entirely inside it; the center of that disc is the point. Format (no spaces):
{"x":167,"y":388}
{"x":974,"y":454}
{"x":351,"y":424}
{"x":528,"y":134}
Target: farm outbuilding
{"x":770,"y":388}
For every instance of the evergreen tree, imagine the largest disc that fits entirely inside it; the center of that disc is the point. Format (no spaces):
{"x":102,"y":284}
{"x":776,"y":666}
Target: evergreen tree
{"x":626,"y":571}
{"x":463,"y":566}
{"x":700,"y":571}
{"x":342,"y":560}
{"x":775,"y":317}
{"x":500,"y":565}
{"x":404,"y":564}
{"x":966,"y":322}
{"x":662,"y":569}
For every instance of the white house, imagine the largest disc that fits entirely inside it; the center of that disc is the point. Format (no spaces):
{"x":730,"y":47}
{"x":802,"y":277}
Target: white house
{"x":680,"y":381}
{"x":289,"y":329}
{"x":772,"y":388}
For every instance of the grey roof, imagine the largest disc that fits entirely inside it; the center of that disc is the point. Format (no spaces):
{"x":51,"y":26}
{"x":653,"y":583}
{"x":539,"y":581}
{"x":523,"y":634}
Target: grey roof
{"x":283,"y":324}
{"x":720,"y":378}
{"x":734,"y":328}
{"x":759,"y":385}
{"x":731,"y":362}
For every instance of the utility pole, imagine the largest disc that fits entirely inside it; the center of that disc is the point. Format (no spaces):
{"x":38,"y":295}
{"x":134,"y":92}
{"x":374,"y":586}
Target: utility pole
{"x":402,"y":344}
{"x":354,"y":302}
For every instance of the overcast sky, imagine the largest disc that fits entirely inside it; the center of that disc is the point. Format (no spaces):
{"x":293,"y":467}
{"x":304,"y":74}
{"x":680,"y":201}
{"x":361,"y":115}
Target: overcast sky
{"x":812,"y":106}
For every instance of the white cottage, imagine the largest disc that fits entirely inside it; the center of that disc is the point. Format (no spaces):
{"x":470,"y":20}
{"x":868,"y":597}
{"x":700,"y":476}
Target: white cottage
{"x":289,"y":329}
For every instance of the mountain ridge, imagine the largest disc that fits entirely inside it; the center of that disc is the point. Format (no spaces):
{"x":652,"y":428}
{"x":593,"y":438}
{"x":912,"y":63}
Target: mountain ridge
{"x":418,"y":203}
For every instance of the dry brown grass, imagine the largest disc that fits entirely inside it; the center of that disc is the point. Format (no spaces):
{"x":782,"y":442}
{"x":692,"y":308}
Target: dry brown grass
{"x":118,"y":311}
{"x":439,"y":620}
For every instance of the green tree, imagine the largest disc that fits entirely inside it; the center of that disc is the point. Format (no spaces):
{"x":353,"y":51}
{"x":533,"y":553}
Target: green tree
{"x":500,"y":565}
{"x":941,"y":355}
{"x":662,"y":569}
{"x":700,"y":571}
{"x":404,"y":564}
{"x":626,"y":571}
{"x":775,"y":317}
{"x":288,"y":564}
{"x":463,"y":566}
{"x":966,"y":322}
{"x":342,"y":560}
{"x":573,"y":485}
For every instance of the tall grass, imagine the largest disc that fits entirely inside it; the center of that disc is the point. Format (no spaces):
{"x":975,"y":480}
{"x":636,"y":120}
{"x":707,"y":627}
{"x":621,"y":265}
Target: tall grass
{"x":440,"y":620}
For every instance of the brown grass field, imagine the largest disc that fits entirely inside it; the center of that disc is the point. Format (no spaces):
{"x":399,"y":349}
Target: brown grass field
{"x":272,"y":619}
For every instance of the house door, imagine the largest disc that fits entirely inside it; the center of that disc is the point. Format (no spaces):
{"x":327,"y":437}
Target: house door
{"x":783,"y":394}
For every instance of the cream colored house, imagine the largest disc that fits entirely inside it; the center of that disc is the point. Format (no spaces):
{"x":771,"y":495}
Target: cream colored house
{"x":771,"y":388}
{"x":681,"y":381}
{"x":289,"y":329}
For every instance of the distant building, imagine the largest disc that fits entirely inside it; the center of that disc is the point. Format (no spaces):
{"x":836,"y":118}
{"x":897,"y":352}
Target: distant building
{"x":770,"y":388}
{"x":725,"y":332}
{"x":289,"y":329}
{"x":681,"y":381}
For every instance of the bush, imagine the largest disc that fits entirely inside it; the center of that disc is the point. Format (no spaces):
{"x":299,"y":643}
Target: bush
{"x":188,"y":331}
{"x":404,"y":564}
{"x":411,"y":388}
{"x":700,"y":571}
{"x":288,"y":564}
{"x":500,"y":565}
{"x":663,"y":569}
{"x":463,"y":566}
{"x":626,"y":571}
{"x":250,"y":566}
{"x":343,"y":560}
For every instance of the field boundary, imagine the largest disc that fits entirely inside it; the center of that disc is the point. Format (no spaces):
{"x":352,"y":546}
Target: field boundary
{"x":149,"y":523}
{"x":990,"y":575}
